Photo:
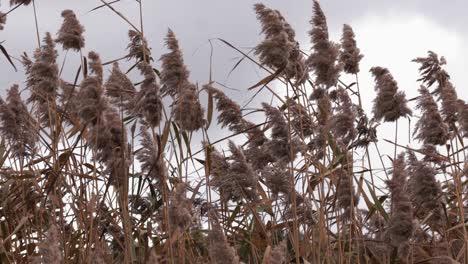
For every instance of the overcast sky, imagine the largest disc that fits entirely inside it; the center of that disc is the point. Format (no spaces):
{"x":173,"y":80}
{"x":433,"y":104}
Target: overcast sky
{"x":389,"y":34}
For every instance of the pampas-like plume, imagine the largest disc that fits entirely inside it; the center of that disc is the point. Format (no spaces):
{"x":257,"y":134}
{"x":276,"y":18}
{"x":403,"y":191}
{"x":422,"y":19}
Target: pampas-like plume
{"x":3,"y":18}
{"x":235,"y":180}
{"x":343,"y":121}
{"x":449,"y":99}
{"x":273,"y":23}
{"x":120,"y":89}
{"x":230,"y":115}
{"x":324,"y":111}
{"x":151,"y":157}
{"x":430,"y":128}
{"x":431,"y":69}
{"x":154,"y":258}
{"x":180,"y":215}
{"x":350,"y":55}
{"x":301,"y":120}
{"x":16,"y":125}
{"x":188,"y":111}
{"x":68,"y":99}
{"x":324,"y":60}
{"x":109,"y":138}
{"x":277,"y":179}
{"x":390,"y":104}
{"x":49,"y":249}
{"x":106,"y":134}
{"x":277,"y":255}
{"x":346,"y":197}
{"x":174,"y":74}
{"x":367,"y":132}
{"x":71,"y":32}
{"x":218,"y":247}
{"x":95,"y":64}
{"x":432,"y":72}
{"x":138,"y":47}
{"x":148,"y":103}
{"x":92,"y":102}
{"x":279,"y":50}
{"x":23,"y":2}
{"x":401,"y":226}
{"x":463,"y":116}
{"x":425,"y":190}
{"x":43,"y":78}
{"x":281,"y":146}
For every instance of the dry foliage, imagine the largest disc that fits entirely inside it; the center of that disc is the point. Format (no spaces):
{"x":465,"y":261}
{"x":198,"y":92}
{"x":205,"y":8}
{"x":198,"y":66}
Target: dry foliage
{"x":104,"y":170}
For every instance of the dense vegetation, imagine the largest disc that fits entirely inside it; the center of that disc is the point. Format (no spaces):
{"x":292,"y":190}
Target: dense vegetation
{"x":109,"y":168}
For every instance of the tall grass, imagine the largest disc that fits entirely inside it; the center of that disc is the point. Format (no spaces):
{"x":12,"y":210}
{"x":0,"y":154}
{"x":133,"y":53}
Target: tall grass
{"x":102,"y":169}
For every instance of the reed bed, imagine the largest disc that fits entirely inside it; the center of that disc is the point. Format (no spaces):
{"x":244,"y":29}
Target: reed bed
{"x":107,"y":165}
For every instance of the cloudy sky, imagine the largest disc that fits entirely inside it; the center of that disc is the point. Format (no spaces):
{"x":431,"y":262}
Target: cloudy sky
{"x":389,"y":33}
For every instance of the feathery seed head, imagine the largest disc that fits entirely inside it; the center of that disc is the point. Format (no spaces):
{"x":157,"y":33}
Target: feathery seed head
{"x":174,"y":74}
{"x":188,"y":111}
{"x":120,"y":89}
{"x":324,"y":60}
{"x":16,"y":125}
{"x":3,"y":19}
{"x":148,"y":103}
{"x":390,"y":104}
{"x":350,"y":55}
{"x":138,"y":47}
{"x":430,"y":128}
{"x":71,"y":32}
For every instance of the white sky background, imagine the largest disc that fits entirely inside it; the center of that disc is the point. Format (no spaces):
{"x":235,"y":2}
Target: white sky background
{"x":389,"y":34}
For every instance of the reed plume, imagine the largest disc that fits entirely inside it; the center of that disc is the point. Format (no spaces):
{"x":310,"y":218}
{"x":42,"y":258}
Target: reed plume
{"x":346,"y":197}
{"x":50,"y":248}
{"x":71,"y":32}
{"x":277,"y":179}
{"x":431,"y":69}
{"x":400,"y":229}
{"x":95,"y":64}
{"x":323,"y":116}
{"x":148,"y":103}
{"x":17,"y":125}
{"x":430,"y":128}
{"x":109,"y":138}
{"x":219,"y":250}
{"x":230,"y":115}
{"x":281,"y":146}
{"x":22,"y":2}
{"x":350,"y":55}
{"x":187,"y":109}
{"x":342,"y":122}
{"x":324,"y":59}
{"x":179,"y":210}
{"x":151,"y":157}
{"x":3,"y":19}
{"x":279,"y":50}
{"x":449,"y":100}
{"x":463,"y":116}
{"x":301,"y":120}
{"x":235,"y":180}
{"x":138,"y":47}
{"x":366,"y":131}
{"x":92,"y":103}
{"x":277,"y":255}
{"x":390,"y":104}
{"x":120,"y":89}
{"x":174,"y":74}
{"x":43,"y":79}
{"x":425,"y":191}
